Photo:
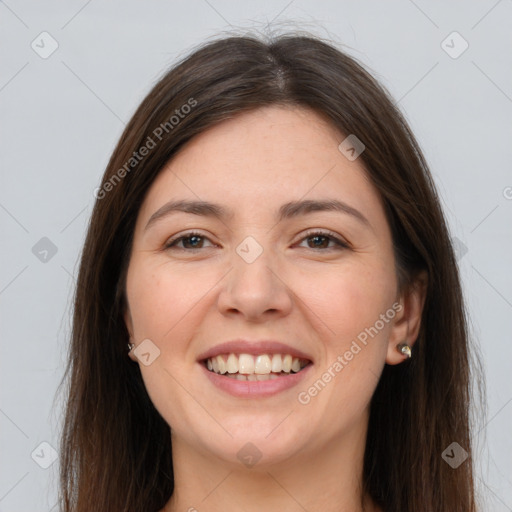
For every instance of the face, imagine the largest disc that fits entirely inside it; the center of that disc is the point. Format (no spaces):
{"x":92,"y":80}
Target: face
{"x":315,"y":284}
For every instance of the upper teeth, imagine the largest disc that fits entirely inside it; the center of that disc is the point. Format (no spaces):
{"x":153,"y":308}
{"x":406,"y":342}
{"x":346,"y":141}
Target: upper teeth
{"x":261,"y":364}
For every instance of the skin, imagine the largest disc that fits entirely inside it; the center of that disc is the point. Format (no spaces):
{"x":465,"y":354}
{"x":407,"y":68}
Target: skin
{"x":297,"y":291}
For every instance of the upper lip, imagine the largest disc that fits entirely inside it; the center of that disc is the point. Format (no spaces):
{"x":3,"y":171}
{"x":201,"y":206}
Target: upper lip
{"x":241,"y":346}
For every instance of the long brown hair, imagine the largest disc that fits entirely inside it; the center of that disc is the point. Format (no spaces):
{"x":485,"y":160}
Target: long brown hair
{"x":115,"y":452}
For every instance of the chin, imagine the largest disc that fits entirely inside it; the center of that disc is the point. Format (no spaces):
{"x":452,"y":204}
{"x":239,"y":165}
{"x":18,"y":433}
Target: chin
{"x":255,"y":447}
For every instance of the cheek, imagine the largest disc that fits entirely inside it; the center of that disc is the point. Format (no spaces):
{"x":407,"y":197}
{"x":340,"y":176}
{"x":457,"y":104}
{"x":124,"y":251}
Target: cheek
{"x":163,"y":304}
{"x":148,"y":299}
{"x":350,"y":303}
{"x":162,"y":299}
{"x":351,"y":299}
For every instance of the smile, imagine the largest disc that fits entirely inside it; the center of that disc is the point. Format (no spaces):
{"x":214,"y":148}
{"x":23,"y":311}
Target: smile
{"x":255,"y":367}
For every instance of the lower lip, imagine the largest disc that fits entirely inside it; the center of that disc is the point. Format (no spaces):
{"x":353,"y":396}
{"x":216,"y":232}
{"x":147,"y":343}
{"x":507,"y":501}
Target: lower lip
{"x":255,"y":388}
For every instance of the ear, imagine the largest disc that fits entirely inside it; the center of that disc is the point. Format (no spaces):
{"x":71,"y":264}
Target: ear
{"x":129,"y":327}
{"x":407,"y":322}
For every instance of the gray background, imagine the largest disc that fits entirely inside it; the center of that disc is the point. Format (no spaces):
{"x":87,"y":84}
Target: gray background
{"x":62,"y":115}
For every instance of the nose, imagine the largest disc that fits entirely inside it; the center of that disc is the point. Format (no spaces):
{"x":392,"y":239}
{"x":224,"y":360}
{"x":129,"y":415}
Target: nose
{"x":257,"y":291}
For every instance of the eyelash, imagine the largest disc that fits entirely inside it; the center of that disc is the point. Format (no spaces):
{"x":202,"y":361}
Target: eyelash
{"x":310,"y":234}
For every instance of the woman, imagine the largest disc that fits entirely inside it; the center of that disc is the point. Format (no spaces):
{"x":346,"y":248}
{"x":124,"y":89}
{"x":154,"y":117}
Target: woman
{"x":268,"y":313}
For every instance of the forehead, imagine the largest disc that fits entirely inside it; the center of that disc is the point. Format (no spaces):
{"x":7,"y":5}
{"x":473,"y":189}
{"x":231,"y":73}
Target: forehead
{"x":261,"y":159}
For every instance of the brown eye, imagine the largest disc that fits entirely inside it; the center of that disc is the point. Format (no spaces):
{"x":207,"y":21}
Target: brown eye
{"x":190,"y":241}
{"x":321,"y":240}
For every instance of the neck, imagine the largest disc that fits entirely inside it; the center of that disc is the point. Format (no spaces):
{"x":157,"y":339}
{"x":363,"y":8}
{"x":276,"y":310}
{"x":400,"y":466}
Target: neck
{"x":327,"y":479}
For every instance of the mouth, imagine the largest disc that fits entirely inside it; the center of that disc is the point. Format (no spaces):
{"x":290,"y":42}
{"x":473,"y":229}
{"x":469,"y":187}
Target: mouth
{"x":255,"y":367}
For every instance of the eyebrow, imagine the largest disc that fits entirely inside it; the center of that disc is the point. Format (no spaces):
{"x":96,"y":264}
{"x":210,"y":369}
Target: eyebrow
{"x":288,"y":210}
